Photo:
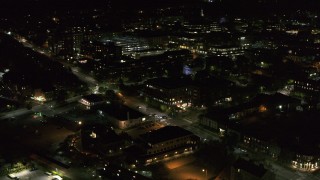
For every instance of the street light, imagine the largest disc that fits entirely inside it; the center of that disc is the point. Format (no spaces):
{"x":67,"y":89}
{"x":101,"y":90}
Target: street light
{"x":206,"y":171}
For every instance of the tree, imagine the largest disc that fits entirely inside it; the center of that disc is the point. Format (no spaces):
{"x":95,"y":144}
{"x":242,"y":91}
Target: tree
{"x":29,"y":105}
{"x":111,"y":96}
{"x":231,"y":140}
{"x":62,"y":95}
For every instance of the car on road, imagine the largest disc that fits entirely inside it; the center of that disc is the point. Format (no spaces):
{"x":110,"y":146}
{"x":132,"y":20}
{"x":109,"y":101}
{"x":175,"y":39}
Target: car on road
{"x":56,"y":177}
{"x":33,"y":169}
{"x":48,"y":173}
{"x":11,"y":176}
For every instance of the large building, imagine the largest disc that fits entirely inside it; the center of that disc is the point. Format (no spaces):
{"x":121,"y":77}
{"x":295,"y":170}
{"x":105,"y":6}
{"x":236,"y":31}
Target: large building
{"x":92,"y":100}
{"x":164,"y":143}
{"x":169,"y":91}
{"x":201,"y":27}
{"x":99,"y":50}
{"x":246,"y":170}
{"x":121,"y":116}
{"x":146,"y":67}
{"x":68,"y":42}
{"x":272,"y":127}
{"x":226,"y":51}
{"x":129,"y":44}
{"x":307,"y":86}
{"x":306,"y":159}
{"x":100,"y":139}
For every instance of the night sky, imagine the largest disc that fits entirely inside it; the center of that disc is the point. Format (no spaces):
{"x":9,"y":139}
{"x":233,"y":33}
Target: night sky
{"x":17,"y":7}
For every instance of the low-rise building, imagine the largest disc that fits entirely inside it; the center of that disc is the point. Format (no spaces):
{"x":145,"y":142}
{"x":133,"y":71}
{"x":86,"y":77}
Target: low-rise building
{"x":99,"y":50}
{"x":100,"y":139}
{"x":92,"y":100}
{"x":122,"y":116}
{"x":306,"y":161}
{"x":307,"y":86}
{"x":164,"y":143}
{"x":227,"y":51}
{"x":172,"y":92}
{"x":273,"y":130}
{"x":243,"y":169}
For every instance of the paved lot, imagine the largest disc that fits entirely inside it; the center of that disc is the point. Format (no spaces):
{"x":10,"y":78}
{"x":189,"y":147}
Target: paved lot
{"x":187,"y":168}
{"x":30,"y":175}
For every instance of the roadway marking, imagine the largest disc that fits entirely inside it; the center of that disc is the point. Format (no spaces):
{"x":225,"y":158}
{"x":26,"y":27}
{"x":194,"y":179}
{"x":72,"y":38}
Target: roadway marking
{"x":187,"y":120}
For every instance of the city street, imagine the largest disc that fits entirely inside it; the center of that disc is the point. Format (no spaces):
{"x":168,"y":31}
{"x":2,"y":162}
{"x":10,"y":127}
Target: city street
{"x":28,"y":175}
{"x":187,"y":120}
{"x":49,"y":109}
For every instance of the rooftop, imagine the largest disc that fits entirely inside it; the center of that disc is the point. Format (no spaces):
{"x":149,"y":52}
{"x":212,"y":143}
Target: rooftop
{"x":250,"y":167}
{"x":293,"y":129}
{"x":276,"y":98}
{"x":94,"y":98}
{"x":169,"y":83}
{"x":120,"y":111}
{"x":260,"y":99}
{"x":165,"y":134}
{"x":102,"y":134}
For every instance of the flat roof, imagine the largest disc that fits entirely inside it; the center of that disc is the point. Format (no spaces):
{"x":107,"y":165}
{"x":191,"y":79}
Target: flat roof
{"x":250,"y":167}
{"x":4,"y":102}
{"x":120,"y":111}
{"x":275,"y":99}
{"x":94,"y":97}
{"x":169,"y":83}
{"x":165,"y":134}
{"x":260,"y":99}
{"x":295,"y":130}
{"x":103,"y":134}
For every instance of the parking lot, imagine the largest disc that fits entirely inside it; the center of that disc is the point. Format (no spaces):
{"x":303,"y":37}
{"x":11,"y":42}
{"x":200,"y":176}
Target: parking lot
{"x":30,"y":175}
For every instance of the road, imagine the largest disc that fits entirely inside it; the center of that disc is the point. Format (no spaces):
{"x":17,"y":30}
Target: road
{"x":50,"y":109}
{"x":189,"y":123}
{"x":203,"y":133}
{"x":27,"y":175}
{"x":6,"y":98}
{"x":45,"y":108}
{"x":91,"y":82}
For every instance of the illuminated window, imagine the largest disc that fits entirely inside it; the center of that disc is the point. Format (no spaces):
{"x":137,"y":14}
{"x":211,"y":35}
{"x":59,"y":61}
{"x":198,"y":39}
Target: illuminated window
{"x":93,"y":135}
{"x":262,"y":108}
